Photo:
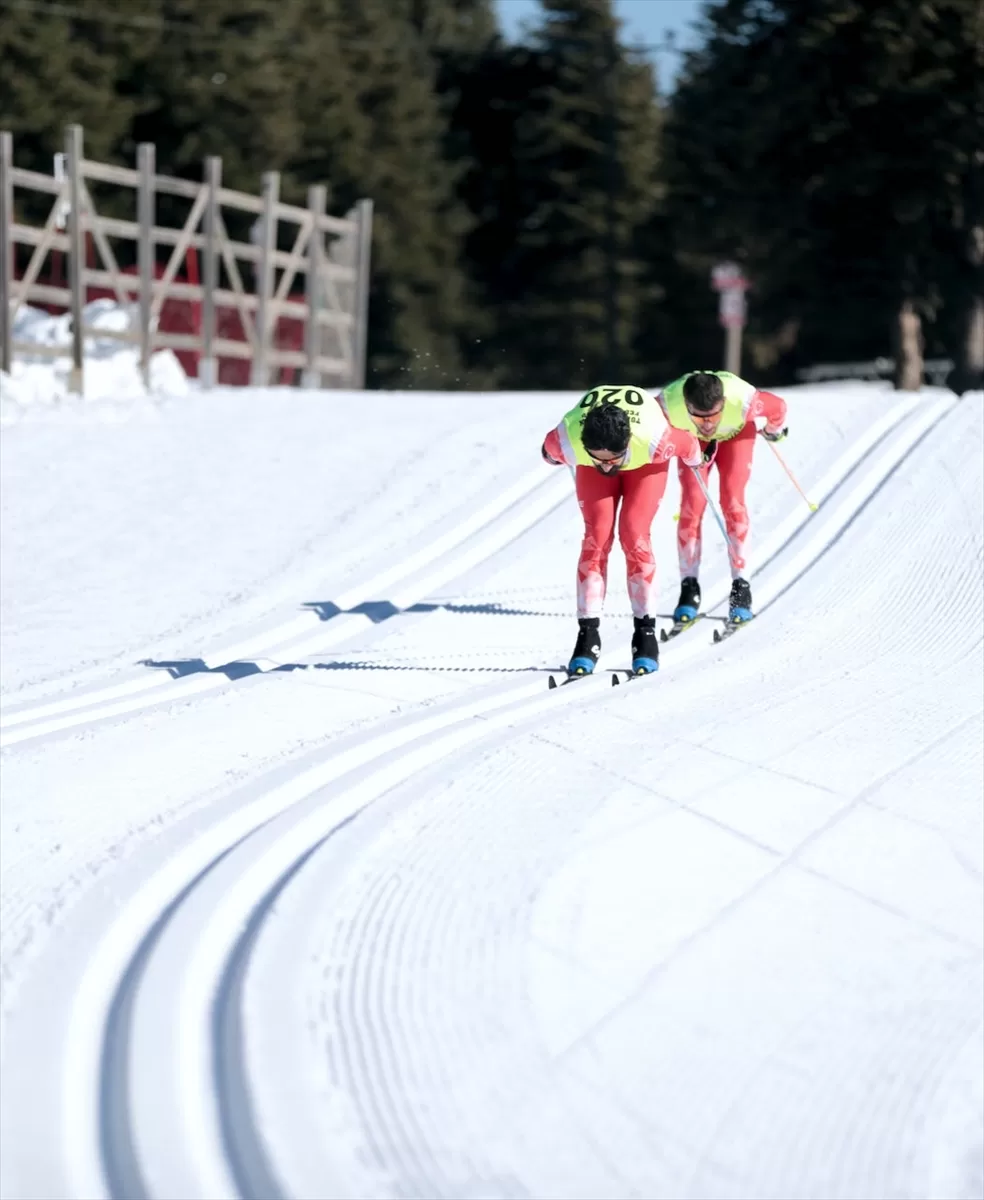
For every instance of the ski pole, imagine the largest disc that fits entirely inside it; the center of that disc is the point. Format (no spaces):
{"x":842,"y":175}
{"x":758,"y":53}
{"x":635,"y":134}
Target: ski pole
{"x":711,"y":505}
{"x":792,"y":477}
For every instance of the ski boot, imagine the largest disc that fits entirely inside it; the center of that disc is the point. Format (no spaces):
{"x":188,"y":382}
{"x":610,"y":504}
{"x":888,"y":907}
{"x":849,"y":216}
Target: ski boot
{"x":689,"y":603}
{"x":740,"y":604}
{"x":587,"y":648}
{"x":645,"y":646}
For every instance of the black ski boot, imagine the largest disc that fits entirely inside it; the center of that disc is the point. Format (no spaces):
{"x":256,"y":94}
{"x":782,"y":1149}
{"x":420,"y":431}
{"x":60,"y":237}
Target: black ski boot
{"x":587,"y":648}
{"x":740,"y":604}
{"x":688,"y":605}
{"x":645,"y":646}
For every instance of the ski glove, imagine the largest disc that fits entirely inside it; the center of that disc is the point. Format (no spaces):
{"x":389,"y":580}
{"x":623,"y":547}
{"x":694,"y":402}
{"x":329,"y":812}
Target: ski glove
{"x":775,"y":437}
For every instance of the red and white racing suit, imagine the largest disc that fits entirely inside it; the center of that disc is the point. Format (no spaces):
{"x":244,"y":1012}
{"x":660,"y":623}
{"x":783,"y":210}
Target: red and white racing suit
{"x":640,"y":491}
{"x":734,"y":466}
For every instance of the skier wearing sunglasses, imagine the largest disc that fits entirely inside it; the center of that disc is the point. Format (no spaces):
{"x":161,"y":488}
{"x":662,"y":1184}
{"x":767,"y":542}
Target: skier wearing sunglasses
{"x":619,"y":443}
{"x":721,"y":410}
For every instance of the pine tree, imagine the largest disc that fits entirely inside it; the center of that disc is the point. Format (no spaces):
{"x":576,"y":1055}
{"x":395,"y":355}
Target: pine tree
{"x":832,"y":141}
{"x":585,"y":144}
{"x":339,"y":92}
{"x":62,"y":67}
{"x":219,"y":84}
{"x":373,"y":126}
{"x":452,"y":27}
{"x":461,"y":36}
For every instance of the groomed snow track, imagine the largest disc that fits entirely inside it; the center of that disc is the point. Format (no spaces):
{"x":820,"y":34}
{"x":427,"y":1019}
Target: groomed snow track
{"x":137,"y":1079}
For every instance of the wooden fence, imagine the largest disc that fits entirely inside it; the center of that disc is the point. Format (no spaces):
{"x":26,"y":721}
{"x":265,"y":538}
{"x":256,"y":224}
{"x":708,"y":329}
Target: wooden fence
{"x":336,"y":292}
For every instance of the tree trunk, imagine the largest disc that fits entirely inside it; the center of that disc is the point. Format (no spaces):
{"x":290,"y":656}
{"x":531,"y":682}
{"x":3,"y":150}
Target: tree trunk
{"x":973,"y":354}
{"x":968,"y":370}
{"x":908,"y":349}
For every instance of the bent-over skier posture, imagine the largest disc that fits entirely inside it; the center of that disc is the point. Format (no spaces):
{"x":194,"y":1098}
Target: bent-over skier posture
{"x":619,"y":443}
{"x":721,"y":410}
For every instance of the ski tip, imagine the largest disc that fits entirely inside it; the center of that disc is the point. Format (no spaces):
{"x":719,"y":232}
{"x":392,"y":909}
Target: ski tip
{"x":663,"y":636}
{"x":615,"y":679}
{"x":717,"y":635}
{"x":551,"y":683}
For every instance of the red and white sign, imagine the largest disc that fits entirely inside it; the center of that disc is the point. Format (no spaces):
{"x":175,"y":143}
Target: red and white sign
{"x":728,"y":280}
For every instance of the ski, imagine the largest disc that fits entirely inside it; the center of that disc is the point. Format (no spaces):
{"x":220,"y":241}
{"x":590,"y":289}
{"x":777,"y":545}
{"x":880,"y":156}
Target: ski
{"x":560,"y":680}
{"x":566,"y":678}
{"x":678,"y":627}
{"x":730,"y":627}
{"x":629,"y":676}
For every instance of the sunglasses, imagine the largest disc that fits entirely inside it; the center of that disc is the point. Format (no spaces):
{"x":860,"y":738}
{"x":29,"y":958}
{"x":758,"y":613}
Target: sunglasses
{"x":706,"y":416}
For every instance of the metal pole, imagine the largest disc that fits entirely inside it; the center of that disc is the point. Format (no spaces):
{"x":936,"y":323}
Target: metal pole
{"x":76,"y":261}
{"x":732,"y":349}
{"x":713,"y":507}
{"x":973,"y":349}
{"x":145,"y":253}
{"x":6,"y":248}
{"x":363,"y":254}
{"x":792,"y":478}
{"x":264,"y":282}
{"x":317,"y":203}
{"x":207,"y":368}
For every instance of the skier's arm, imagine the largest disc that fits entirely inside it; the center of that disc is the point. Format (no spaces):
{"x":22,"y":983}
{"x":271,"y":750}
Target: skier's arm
{"x":552,"y":449}
{"x":772,"y":408}
{"x":679,"y":443}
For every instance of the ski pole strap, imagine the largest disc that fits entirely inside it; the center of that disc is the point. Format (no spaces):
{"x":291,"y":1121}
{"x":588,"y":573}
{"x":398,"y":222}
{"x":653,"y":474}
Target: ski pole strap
{"x":713,"y":507}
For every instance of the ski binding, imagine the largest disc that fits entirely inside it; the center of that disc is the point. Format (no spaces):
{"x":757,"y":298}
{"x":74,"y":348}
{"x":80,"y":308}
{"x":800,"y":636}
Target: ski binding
{"x":567,"y":677}
{"x":730,"y":627}
{"x":679,"y":627}
{"x":629,"y":675}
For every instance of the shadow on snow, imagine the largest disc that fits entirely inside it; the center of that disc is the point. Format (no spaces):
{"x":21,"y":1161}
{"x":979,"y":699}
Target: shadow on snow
{"x":377,"y":611}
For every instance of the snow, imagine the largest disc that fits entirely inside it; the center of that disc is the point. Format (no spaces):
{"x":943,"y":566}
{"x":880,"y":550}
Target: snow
{"x":37,"y":388}
{"x":309,"y":886}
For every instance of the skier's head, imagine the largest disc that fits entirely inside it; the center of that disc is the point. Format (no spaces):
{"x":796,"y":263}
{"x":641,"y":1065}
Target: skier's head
{"x":703,"y":394}
{"x":605,"y":434}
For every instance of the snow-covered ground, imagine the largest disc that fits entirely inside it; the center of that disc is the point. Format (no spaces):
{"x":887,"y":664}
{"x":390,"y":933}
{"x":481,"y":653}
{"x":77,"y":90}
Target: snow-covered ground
{"x":37,"y":387}
{"x":309,"y":886}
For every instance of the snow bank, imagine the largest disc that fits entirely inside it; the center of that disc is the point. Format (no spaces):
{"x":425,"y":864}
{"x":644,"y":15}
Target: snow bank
{"x":37,"y":388}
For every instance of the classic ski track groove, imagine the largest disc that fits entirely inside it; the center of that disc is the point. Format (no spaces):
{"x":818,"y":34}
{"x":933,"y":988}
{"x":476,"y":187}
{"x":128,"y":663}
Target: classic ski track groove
{"x":867,"y":1161}
{"x":147,"y":690}
{"x":511,"y":513}
{"x":174,"y":944}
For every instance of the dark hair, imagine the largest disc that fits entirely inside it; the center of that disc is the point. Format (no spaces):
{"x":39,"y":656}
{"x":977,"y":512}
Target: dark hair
{"x":606,"y":427}
{"x":703,"y":391}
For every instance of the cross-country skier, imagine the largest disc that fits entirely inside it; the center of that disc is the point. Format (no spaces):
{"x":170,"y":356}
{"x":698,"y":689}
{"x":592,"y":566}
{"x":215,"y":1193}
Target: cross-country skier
{"x":721,"y":410}
{"x":619,"y":443}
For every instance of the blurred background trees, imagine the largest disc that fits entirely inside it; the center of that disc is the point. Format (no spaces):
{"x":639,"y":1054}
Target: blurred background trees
{"x":545,"y":215}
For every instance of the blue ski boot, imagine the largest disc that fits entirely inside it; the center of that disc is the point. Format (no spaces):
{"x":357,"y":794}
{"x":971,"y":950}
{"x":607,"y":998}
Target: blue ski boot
{"x":688,"y":605}
{"x":740,"y":604}
{"x":645,"y":646}
{"x":587,"y":647}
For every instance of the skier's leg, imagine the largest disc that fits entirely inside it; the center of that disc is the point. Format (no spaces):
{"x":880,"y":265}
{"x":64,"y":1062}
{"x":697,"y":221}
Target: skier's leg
{"x":734,"y":464}
{"x":642,"y":491}
{"x":597,"y":497}
{"x":734,"y":459}
{"x":692,"y":505}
